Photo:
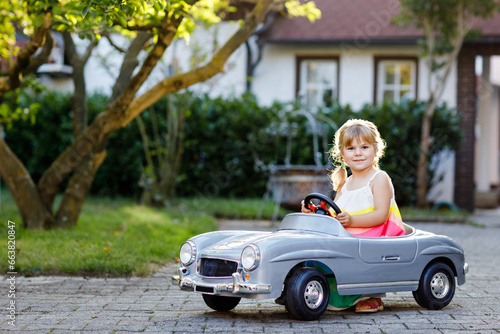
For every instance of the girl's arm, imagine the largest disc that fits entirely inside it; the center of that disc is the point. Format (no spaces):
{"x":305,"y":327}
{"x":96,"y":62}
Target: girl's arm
{"x":382,"y":194}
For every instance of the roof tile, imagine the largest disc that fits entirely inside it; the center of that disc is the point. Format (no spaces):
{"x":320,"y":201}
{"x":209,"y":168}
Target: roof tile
{"x":355,"y":20}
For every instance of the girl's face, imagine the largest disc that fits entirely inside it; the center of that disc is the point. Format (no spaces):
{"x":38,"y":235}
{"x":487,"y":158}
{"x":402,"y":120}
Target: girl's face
{"x":359,"y":155}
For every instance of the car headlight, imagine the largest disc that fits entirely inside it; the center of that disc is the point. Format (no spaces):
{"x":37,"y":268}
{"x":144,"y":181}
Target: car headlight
{"x":250,"y":257}
{"x":187,"y":253}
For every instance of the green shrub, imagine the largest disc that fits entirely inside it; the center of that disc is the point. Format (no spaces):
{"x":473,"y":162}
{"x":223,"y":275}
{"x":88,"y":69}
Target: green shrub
{"x":39,"y":144}
{"x":400,"y":127}
{"x":230,"y":143}
{"x":223,"y":140}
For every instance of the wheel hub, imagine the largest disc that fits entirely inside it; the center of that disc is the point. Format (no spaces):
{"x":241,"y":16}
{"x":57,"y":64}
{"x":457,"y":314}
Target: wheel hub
{"x":440,"y":285}
{"x":313,"y":294}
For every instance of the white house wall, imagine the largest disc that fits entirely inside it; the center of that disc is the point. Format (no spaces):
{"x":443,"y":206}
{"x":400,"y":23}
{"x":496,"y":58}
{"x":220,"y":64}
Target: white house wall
{"x":201,"y":45}
{"x":487,"y":135}
{"x":275,"y":76}
{"x":356,"y":80}
{"x":57,"y":84}
{"x":495,"y":70}
{"x":103,"y":68}
{"x":450,"y":90}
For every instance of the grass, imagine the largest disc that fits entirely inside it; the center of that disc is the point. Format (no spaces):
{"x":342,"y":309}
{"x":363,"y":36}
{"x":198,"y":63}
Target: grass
{"x":112,"y":238}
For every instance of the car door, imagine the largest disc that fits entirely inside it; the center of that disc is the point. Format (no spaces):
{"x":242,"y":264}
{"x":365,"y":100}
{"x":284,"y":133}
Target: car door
{"x":388,"y":259}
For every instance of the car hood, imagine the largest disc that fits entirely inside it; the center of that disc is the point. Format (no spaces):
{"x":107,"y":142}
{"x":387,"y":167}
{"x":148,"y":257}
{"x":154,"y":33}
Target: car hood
{"x":231,"y":247}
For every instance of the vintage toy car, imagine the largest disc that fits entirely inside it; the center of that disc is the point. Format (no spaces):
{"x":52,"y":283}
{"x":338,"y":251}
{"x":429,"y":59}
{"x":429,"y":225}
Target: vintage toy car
{"x":293,"y":264}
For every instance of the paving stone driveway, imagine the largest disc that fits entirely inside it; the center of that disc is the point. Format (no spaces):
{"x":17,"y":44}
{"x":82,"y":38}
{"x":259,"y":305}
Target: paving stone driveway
{"x":154,"y":305}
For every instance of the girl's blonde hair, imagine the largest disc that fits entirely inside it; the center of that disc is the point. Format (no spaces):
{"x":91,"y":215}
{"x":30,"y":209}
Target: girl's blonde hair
{"x":352,"y":129}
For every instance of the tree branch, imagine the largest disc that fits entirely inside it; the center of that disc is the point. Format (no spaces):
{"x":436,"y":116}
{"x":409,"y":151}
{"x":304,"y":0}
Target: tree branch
{"x":13,"y":80}
{"x":165,"y":36}
{"x":107,"y":121}
{"x":129,"y":63}
{"x":88,"y":52}
{"x":147,"y":27}
{"x":43,"y":57}
{"x":122,"y":111}
{"x":429,"y":33}
{"x":216,"y":65}
{"x":79,"y":96}
{"x":110,"y":40}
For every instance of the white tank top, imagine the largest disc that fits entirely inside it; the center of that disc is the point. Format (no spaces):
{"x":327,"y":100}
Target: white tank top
{"x":360,"y":201}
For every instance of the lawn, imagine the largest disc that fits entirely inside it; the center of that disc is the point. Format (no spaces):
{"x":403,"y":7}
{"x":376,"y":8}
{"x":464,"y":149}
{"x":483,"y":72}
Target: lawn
{"x":114,"y":237}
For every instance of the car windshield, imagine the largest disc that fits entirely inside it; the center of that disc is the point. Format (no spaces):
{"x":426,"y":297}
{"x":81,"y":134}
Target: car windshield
{"x":310,"y":222}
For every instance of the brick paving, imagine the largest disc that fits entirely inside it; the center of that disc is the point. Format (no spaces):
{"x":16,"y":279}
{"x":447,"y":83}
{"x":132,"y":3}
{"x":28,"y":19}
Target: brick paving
{"x":155,"y":305}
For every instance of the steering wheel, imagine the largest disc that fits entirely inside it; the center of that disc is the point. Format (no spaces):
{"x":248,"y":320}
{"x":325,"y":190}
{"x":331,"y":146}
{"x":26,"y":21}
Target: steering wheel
{"x":321,"y":209}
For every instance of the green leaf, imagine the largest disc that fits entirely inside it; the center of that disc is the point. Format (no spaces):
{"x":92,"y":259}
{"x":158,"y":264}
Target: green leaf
{"x":86,"y":9}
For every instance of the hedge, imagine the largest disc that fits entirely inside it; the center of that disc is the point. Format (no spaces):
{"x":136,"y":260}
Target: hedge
{"x":230,"y":143}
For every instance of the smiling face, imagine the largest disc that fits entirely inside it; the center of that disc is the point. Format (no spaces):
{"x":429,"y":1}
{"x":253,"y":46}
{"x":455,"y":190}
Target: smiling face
{"x":359,"y":154}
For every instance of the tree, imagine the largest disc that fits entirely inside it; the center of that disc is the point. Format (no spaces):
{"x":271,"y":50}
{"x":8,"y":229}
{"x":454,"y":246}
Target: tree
{"x":445,"y":24}
{"x":151,"y":26}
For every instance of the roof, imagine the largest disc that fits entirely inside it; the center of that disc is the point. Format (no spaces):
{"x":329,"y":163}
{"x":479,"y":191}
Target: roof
{"x":356,"y":21}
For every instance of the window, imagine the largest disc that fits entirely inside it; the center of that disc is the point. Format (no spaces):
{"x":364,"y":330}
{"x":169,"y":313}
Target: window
{"x":317,"y":81}
{"x":396,"y":80}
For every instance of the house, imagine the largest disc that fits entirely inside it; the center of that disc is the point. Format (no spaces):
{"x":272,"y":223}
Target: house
{"x":371,"y":59}
{"x":355,"y":55}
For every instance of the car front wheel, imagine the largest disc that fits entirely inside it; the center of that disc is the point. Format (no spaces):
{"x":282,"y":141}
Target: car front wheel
{"x":436,"y":287}
{"x":221,"y":303}
{"x":306,"y":294}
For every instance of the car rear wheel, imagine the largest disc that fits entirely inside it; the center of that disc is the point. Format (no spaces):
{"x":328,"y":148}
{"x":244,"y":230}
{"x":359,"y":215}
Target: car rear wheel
{"x":436,"y":287}
{"x":306,"y":294}
{"x":221,"y":303}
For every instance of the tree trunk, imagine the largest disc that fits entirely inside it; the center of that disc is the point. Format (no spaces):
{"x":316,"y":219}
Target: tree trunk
{"x":83,"y":177}
{"x":126,"y":108}
{"x":81,"y":180}
{"x":117,"y":115}
{"x":423,"y":159}
{"x":107,"y":121}
{"x":462,"y":28}
{"x":77,"y":189}
{"x":34,"y":213}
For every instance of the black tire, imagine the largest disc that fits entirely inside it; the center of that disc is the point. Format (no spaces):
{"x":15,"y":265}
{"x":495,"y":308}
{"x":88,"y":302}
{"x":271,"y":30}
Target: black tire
{"x":221,"y":303}
{"x":306,"y":294}
{"x":436,"y":287}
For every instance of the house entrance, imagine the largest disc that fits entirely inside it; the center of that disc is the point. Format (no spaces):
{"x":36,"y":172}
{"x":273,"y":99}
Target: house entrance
{"x":477,"y":166}
{"x":487,"y":145}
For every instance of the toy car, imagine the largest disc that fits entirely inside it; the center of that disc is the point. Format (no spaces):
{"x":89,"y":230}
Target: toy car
{"x":293,"y":263}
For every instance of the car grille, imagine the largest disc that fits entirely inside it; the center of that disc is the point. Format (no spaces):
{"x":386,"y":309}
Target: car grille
{"x":217,"y":268}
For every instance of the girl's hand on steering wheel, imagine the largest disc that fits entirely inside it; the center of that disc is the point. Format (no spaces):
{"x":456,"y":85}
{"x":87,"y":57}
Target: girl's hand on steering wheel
{"x":303,"y":208}
{"x":344,"y":218}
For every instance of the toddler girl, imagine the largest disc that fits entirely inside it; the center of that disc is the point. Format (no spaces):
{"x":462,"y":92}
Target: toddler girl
{"x":366,"y":198}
